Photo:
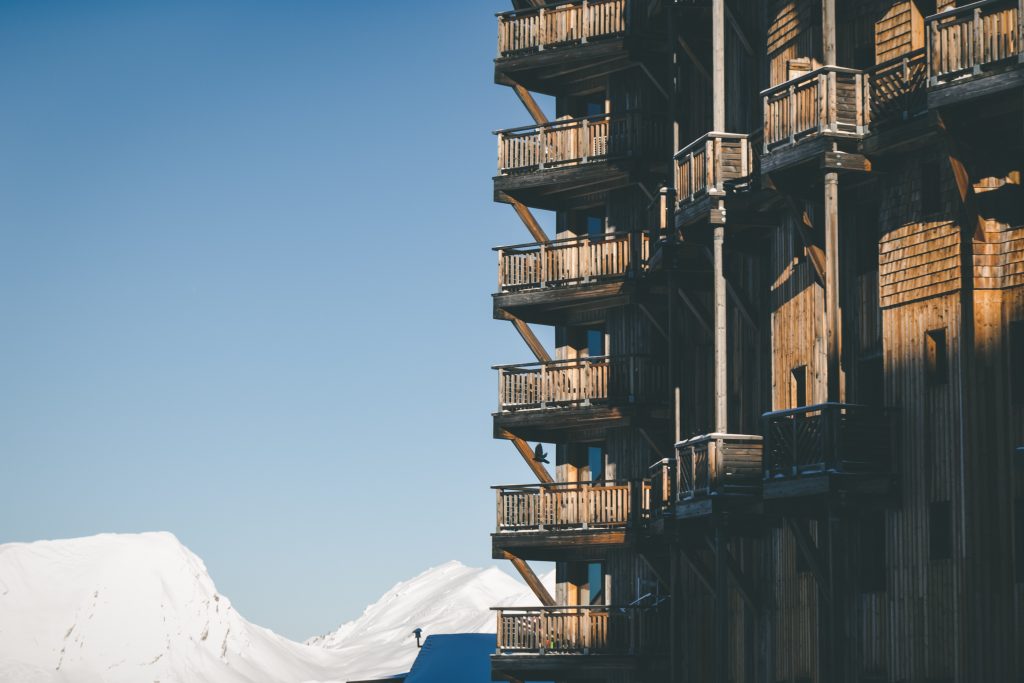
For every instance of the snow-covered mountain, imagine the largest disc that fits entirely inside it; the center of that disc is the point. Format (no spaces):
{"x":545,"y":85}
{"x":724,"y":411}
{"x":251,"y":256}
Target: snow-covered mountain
{"x":451,"y":598}
{"x":141,"y":607}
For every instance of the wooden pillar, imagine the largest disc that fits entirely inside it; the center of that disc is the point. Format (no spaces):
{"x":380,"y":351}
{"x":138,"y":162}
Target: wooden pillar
{"x":721,"y":621}
{"x":668,"y":199}
{"x":721,"y":350}
{"x":718,"y":63}
{"x":836,"y":670}
{"x":832,"y":317}
{"x":828,"y":31}
{"x":675,"y":613}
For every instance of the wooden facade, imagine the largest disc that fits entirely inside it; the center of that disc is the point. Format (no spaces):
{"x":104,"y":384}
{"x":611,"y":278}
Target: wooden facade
{"x":785,"y":405}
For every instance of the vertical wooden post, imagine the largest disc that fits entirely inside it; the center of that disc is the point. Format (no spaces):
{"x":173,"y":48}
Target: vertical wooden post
{"x":828,"y":31}
{"x":832,"y":318}
{"x":721,"y":646}
{"x":675,"y":645}
{"x":721,"y":351}
{"x":718,"y":63}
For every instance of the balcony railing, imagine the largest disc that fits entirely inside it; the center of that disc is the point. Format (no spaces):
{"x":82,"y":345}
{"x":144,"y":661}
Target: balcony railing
{"x":574,"y":142}
{"x":579,"y":382}
{"x":963,"y":40}
{"x":830,"y":100}
{"x":710,"y":464}
{"x":833,"y":437}
{"x":898,"y":88}
{"x":560,"y":24}
{"x":571,"y":261}
{"x":571,"y":505}
{"x":596,"y":629}
{"x":704,"y":166}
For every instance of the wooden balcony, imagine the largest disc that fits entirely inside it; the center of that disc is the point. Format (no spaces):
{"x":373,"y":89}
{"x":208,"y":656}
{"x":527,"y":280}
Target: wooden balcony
{"x":572,"y":162}
{"x":898,"y":89}
{"x":563,"y":48}
{"x":709,"y":473}
{"x":706,"y":168}
{"x":820,"y":449}
{"x":579,"y":398}
{"x":805,"y":115}
{"x":569,"y":280}
{"x":593,"y":642}
{"x":568,"y":520}
{"x":975,"y":50}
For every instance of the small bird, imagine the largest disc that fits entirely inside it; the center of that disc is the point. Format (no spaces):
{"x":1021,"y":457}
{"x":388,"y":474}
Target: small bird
{"x":539,"y":455}
{"x":417,"y":632}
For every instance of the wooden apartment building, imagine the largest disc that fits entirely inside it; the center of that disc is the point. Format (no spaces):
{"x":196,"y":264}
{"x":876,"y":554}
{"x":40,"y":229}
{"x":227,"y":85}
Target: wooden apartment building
{"x":784,"y":412}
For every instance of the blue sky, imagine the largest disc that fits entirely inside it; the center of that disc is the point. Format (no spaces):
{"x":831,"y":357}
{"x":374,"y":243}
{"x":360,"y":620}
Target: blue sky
{"x":245,"y":271}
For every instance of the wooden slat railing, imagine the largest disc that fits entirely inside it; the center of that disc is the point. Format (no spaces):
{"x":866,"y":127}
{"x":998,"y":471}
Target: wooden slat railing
{"x":571,"y":261}
{"x":571,"y":629}
{"x":579,"y":382}
{"x":836,"y":437}
{"x":703,"y":166}
{"x":709,"y":464}
{"x":898,"y":88}
{"x":830,"y":100}
{"x":964,"y":39}
{"x":569,"y":505}
{"x":560,"y":24}
{"x":573,"y":142}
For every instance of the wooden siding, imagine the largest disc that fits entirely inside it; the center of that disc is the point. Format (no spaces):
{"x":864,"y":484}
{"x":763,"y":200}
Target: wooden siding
{"x":794,"y":33}
{"x":900,"y":30}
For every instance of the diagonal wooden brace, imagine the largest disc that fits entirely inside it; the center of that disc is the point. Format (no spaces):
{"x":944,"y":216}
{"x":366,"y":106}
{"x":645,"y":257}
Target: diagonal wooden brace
{"x":530,"y":577}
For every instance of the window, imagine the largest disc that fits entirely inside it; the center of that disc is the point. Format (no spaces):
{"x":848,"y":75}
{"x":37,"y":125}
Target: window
{"x":595,"y":342}
{"x":871,"y":558}
{"x":931,"y":192}
{"x":595,"y":462}
{"x":1017,"y":361}
{"x":595,"y":226}
{"x":595,"y":583}
{"x":798,"y":386}
{"x":940,"y":530}
{"x":936,"y":357}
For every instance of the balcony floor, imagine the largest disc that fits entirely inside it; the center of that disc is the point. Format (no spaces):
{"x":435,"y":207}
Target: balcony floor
{"x":565,"y":305}
{"x":570,"y":186}
{"x":561,"y":667}
{"x":569,"y":70}
{"x":811,"y":491}
{"x":560,"y":545}
{"x":581,"y":424}
{"x":990,"y":81}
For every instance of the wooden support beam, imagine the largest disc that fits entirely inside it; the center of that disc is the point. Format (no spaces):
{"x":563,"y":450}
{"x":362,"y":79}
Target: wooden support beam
{"x":742,"y":304}
{"x":530,"y":577}
{"x":739,"y":31}
{"x":721,"y":349}
{"x":833,"y":321}
{"x":699,"y":313}
{"x":828,"y":31}
{"x":654,"y":81}
{"x":654,"y":322}
{"x":805,"y":228}
{"x":531,"y":339}
{"x":524,"y":449}
{"x":652,"y":443}
{"x":693,"y":58}
{"x":659,"y":574}
{"x":964,"y":187}
{"x":744,"y":585}
{"x":699,"y":569}
{"x":718,"y":64}
{"x":526,"y":216}
{"x":805,"y":544}
{"x":845,"y":161}
{"x":721,"y":620}
{"x":526,"y":97}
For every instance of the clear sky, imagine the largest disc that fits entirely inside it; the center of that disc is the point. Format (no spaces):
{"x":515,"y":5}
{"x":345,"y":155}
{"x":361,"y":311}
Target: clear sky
{"x":245,"y":278}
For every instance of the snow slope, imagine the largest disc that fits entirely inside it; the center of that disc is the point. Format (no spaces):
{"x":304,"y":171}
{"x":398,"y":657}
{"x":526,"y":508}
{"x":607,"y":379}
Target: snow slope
{"x":141,"y":607}
{"x":451,"y":598}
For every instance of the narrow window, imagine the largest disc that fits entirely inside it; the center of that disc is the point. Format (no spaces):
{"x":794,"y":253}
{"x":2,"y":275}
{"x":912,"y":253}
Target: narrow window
{"x":595,"y":462}
{"x":931,"y":192}
{"x":595,"y":342}
{"x":595,"y":226}
{"x":595,"y":583}
{"x":940,"y":530}
{"x":798,"y":386}
{"x":936,"y":357}
{"x":1018,"y":538}
{"x":1017,"y":361}
{"x":872,"y":554}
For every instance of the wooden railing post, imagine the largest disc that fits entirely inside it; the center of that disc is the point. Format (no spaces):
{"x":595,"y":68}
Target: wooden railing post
{"x":541,"y":33}
{"x":585,"y":20}
{"x":979,"y":42}
{"x":585,"y":152}
{"x":791,"y":101}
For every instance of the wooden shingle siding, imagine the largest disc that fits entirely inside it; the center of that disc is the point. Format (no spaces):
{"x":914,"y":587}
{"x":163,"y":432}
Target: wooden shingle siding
{"x":899,"y":31}
{"x":919,"y":261}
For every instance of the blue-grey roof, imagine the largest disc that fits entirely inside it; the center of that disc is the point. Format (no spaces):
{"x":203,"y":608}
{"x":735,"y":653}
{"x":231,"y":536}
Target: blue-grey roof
{"x":454,"y":658}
